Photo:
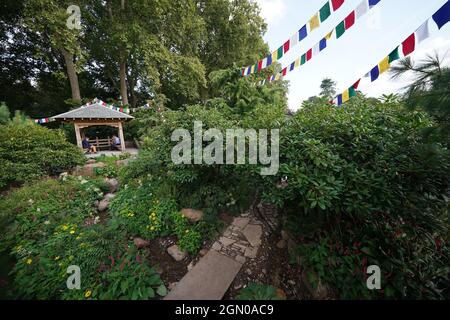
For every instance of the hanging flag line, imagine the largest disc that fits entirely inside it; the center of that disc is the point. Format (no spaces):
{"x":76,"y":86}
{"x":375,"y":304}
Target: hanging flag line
{"x":361,"y":10}
{"x":441,"y":18}
{"x":314,"y":23}
{"x":95,"y":101}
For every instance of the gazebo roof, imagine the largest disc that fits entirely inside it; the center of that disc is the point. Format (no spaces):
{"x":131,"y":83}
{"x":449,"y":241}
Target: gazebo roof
{"x":93,"y":112}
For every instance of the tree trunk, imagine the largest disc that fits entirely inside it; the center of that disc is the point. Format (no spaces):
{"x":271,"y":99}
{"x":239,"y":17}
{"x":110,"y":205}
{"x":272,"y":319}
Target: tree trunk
{"x":72,"y":74}
{"x":123,"y":80}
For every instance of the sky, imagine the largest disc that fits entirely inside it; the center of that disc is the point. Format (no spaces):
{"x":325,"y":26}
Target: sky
{"x":350,"y":57}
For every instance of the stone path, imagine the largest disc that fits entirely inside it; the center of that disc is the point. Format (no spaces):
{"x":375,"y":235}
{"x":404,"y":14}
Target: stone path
{"x":210,"y":278}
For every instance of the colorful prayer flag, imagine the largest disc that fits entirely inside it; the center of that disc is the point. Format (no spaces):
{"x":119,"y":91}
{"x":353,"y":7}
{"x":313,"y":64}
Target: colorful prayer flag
{"x":423,"y":32}
{"x":409,"y":45}
{"x":323,"y":44}
{"x":325,"y":12}
{"x":340,"y":29}
{"x":303,"y":59}
{"x":286,"y":46}
{"x":394,"y":55}
{"x":339,"y":99}
{"x":356,"y":85}
{"x":373,"y":2}
{"x":362,"y":9}
{"x":309,"y":55}
{"x":302,"y":33}
{"x":345,"y":96}
{"x":280,"y":52}
{"x":374,"y":74}
{"x":314,"y":22}
{"x":337,"y":4}
{"x":442,"y":16}
{"x":350,"y":20}
{"x":384,"y":65}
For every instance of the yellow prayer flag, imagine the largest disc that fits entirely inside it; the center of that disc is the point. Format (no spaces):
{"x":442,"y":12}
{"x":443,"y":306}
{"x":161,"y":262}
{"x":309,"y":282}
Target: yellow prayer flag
{"x":384,"y":65}
{"x":314,"y":22}
{"x":274,"y":56}
{"x":297,"y":63}
{"x":345,"y":96}
{"x":328,"y":36}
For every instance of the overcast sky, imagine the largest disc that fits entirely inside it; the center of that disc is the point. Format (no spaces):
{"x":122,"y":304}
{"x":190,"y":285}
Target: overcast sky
{"x":360,"y":49}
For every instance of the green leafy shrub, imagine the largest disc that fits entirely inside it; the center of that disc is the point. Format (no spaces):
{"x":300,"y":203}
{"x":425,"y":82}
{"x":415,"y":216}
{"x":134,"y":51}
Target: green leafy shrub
{"x":29,"y":151}
{"x":364,"y":187}
{"x":44,"y":227}
{"x":256,"y":291}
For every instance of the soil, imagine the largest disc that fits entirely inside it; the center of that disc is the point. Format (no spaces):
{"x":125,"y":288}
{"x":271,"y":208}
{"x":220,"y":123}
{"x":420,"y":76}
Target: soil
{"x":271,"y":267}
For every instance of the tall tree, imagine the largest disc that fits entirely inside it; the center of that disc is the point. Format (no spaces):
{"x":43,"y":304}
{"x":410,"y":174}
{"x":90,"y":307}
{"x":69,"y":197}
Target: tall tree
{"x":328,"y":88}
{"x":429,"y":89}
{"x":47,"y":18}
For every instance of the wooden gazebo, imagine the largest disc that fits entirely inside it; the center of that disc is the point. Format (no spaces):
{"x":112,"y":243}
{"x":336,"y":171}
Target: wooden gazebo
{"x":95,"y":115}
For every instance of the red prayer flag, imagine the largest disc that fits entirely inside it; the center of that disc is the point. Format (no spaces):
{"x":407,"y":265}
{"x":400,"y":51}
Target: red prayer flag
{"x":409,"y":45}
{"x":350,"y":20}
{"x":260,"y":64}
{"x":309,"y":55}
{"x":337,"y":4}
{"x":286,"y":46}
{"x":356,"y":85}
{"x":284,"y":72}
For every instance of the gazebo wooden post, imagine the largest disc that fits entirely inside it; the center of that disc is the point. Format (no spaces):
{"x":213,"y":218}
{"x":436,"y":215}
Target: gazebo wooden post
{"x":78,"y":135}
{"x":121,"y":137}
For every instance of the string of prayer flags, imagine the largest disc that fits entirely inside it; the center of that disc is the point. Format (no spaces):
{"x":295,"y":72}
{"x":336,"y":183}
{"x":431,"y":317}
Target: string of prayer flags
{"x":43,"y":120}
{"x":340,"y":29}
{"x":441,"y":18}
{"x":313,"y":23}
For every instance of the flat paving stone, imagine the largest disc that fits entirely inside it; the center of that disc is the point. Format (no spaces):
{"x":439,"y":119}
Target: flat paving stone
{"x":208,"y":280}
{"x":253,"y":234}
{"x":241,"y":223}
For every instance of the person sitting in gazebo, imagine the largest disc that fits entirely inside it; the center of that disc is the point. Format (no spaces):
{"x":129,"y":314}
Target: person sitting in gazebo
{"x":87,"y":147}
{"x":115,"y":143}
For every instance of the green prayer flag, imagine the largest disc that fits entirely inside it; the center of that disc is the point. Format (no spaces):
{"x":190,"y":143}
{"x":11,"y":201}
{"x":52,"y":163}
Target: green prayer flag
{"x":280,"y":52}
{"x":394,"y":55}
{"x":340,"y":29}
{"x":352,"y":92}
{"x":303,"y":61}
{"x":325,"y":12}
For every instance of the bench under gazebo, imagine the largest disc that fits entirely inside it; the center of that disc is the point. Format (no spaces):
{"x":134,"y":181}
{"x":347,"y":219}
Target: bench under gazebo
{"x":96,"y":114}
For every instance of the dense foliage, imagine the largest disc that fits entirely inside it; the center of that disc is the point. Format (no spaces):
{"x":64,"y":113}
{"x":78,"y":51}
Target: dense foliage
{"x":366,"y":187}
{"x":44,"y":226}
{"x":29,"y":151}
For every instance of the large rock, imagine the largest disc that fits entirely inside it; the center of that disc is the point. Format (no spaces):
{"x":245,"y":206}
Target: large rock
{"x":88,"y":170}
{"x":103,"y":205}
{"x":113,"y":184}
{"x":109,"y":196}
{"x":176,"y":253}
{"x":192,"y":215}
{"x":140,"y":243}
{"x":253,"y":234}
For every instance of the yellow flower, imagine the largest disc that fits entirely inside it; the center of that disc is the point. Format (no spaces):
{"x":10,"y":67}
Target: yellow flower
{"x":72,"y":231}
{"x":57,"y":258}
{"x":19,"y":247}
{"x":154,"y":218}
{"x":88,"y":293}
{"x":65,"y":227}
{"x":29,"y":261}
{"x":152,"y":228}
{"x":60,"y":264}
{"x":70,"y":258}
{"x":78,"y":238}
{"x":187,"y":231}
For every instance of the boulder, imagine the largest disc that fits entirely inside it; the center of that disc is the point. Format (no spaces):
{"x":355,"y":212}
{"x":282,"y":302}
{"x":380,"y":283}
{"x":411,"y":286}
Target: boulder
{"x":109,"y":196}
{"x":103,"y":206}
{"x":88,"y":170}
{"x":91,"y":161}
{"x":113,"y":184}
{"x":192,"y":215}
{"x":140,"y":243}
{"x":281,"y":244}
{"x":176,"y":253}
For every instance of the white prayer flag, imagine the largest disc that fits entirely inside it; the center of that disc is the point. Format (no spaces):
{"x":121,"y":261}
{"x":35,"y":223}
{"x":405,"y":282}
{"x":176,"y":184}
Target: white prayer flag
{"x":423,"y":32}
